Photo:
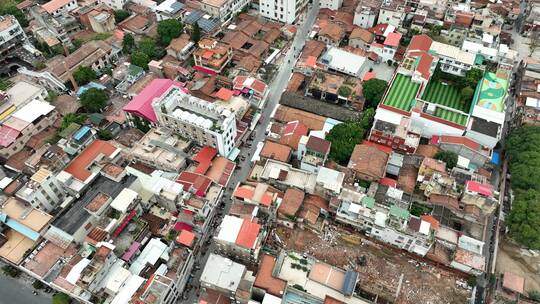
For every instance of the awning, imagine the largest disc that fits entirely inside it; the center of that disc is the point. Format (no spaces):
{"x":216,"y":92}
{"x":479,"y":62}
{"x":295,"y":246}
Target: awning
{"x":124,"y":223}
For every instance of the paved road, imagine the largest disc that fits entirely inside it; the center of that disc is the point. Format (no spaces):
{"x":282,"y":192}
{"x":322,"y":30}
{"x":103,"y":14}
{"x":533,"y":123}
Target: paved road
{"x":276,"y":88}
{"x":13,"y":291}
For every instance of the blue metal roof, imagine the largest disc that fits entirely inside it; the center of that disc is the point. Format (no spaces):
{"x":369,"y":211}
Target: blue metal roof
{"x":20,"y":228}
{"x":495,"y":158}
{"x":208,"y":25}
{"x":193,"y":17}
{"x":81,"y":133}
{"x":176,"y":7}
{"x":349,"y":283}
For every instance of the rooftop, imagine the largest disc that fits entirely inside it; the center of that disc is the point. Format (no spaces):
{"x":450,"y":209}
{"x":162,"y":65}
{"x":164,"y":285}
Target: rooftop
{"x":276,"y":151}
{"x":222,"y":272}
{"x":402,"y":93}
{"x":513,"y":282}
{"x":142,"y":103}
{"x":343,"y":61}
{"x":492,"y":92}
{"x":265,"y":280}
{"x":291,"y":202}
{"x":80,"y":166}
{"x":53,"y":5}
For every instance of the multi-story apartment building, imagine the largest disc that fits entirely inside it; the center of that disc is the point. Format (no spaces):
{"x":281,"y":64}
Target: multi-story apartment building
{"x":452,"y":59}
{"x":225,"y":10}
{"x":23,"y":124}
{"x":43,"y":191}
{"x":114,"y":4}
{"x":212,"y":56}
{"x":331,"y":4}
{"x":282,"y":10}
{"x":11,"y":34}
{"x":198,"y":119}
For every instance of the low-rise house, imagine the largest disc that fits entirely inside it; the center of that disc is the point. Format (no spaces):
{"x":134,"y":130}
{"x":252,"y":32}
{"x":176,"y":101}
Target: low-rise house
{"x":57,"y":7}
{"x":368,"y":161}
{"x":261,"y":195}
{"x":181,"y":47}
{"x":101,"y":21}
{"x":239,"y":238}
{"x":313,"y":153}
{"x":222,"y":275}
{"x":290,"y":205}
{"x":11,"y":34}
{"x":169,"y":9}
{"x":331,"y":33}
{"x":387,"y":50}
{"x":360,"y":38}
{"x":212,"y":56}
{"x":341,"y":61}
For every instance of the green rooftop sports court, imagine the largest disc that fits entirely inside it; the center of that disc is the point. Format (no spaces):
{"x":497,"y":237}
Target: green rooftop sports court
{"x":492,"y":92}
{"x":402,"y":93}
{"x":446,"y":95}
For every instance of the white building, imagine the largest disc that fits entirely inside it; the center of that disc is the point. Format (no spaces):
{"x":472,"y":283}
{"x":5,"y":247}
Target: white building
{"x":339,"y":60}
{"x":114,"y":4}
{"x":43,"y":191}
{"x":168,"y":10}
{"x":364,"y":16}
{"x":222,"y":275}
{"x":331,"y":4}
{"x":284,"y":11}
{"x":453,"y":60}
{"x":225,"y":10}
{"x":197,"y":119}
{"x":393,"y":15}
{"x":11,"y":34}
{"x":57,"y":7}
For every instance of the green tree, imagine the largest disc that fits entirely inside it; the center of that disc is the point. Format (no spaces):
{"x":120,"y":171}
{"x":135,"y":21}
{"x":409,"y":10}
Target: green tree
{"x":77,"y":43}
{"x":11,"y":271}
{"x":473,"y":76}
{"x":120,"y":15}
{"x":105,"y":134}
{"x":168,"y":30}
{"x":94,"y":100}
{"x":466,"y":94}
{"x":524,"y":218}
{"x":72,"y":118}
{"x":140,"y":59}
{"x":366,"y":120}
{"x":534,"y":295}
{"x":128,"y":43}
{"x":15,"y":12}
{"x":344,"y":137}
{"x":373,"y":91}
{"x":38,"y":284}
{"x":344,"y":91}
{"x":60,"y":298}
{"x":449,"y":157}
{"x":5,"y":84}
{"x":84,"y":75}
{"x":523,"y":155}
{"x":148,"y":46}
{"x":196,"y":33}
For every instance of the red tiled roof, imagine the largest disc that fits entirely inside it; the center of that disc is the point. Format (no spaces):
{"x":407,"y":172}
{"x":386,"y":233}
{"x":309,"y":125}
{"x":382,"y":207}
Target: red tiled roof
{"x":386,"y":181}
{"x":244,"y":192}
{"x":318,"y":144}
{"x":464,"y":19}
{"x":204,"y":158}
{"x":247,"y":236}
{"x":185,"y":238}
{"x":265,"y":280}
{"x":420,"y":43}
{"x":224,"y":94}
{"x":199,"y":183}
{"x":276,"y":151}
{"x":430,"y":219}
{"x":460,"y":140}
{"x":368,"y":76}
{"x":424,"y":65}
{"x":392,"y":39}
{"x":444,"y":200}
{"x":79,"y":166}
{"x":379,"y":29}
{"x":484,"y":189}
{"x":291,"y":202}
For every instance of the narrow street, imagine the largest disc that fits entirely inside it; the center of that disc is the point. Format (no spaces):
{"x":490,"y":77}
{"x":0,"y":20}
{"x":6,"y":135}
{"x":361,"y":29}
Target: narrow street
{"x":276,"y":88}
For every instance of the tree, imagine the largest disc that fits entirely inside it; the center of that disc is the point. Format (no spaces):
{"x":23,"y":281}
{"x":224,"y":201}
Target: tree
{"x":366,"y":120}
{"x":449,"y":157}
{"x":60,"y":298}
{"x":77,"y":43}
{"x":344,"y":91}
{"x":15,"y":12}
{"x":105,"y":134}
{"x":149,"y":47}
{"x":84,"y":75}
{"x":128,"y":43}
{"x":466,"y":93}
{"x":196,"y":33}
{"x":11,"y":271}
{"x":120,"y":15}
{"x":534,"y":295}
{"x":5,"y":84}
{"x":473,"y":76}
{"x":94,"y":100}
{"x":168,"y":30}
{"x":373,"y":91}
{"x":140,"y":59}
{"x":72,"y":118}
{"x":344,"y":137}
{"x":524,"y":218}
{"x":523,"y":155}
{"x":38,"y":284}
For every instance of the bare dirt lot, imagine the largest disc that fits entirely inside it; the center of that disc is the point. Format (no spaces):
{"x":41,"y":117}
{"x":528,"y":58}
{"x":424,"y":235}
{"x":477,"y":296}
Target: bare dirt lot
{"x":381,"y":270}
{"x":514,"y":259}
